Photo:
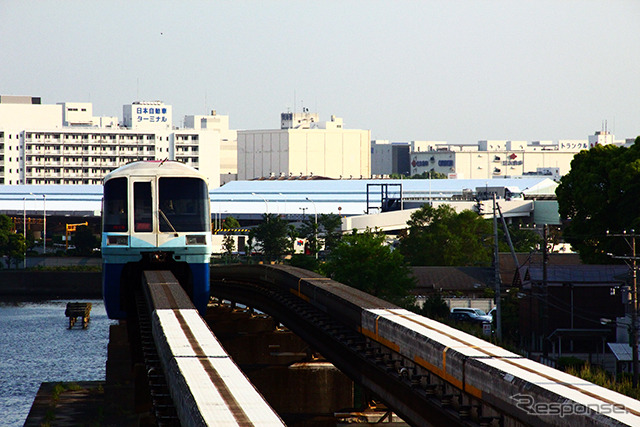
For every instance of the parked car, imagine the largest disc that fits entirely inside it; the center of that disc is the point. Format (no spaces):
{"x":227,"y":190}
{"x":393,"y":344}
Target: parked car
{"x":463,"y":317}
{"x":474,"y":314}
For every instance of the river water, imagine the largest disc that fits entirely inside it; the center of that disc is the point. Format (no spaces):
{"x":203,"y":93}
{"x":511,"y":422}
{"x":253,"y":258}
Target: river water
{"x":37,"y":346}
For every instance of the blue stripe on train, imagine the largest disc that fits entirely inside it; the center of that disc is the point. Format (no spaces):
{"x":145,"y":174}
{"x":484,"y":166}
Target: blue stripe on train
{"x":111,"y":274}
{"x":200,"y":274}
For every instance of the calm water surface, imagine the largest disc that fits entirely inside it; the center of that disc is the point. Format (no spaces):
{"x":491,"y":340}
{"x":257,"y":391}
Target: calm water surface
{"x":36,"y":346}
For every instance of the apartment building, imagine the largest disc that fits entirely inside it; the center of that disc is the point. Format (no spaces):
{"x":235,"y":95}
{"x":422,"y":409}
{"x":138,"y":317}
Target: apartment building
{"x":65,"y":144}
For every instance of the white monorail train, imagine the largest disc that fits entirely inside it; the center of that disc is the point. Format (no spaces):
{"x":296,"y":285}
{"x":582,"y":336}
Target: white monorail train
{"x":155,"y":216}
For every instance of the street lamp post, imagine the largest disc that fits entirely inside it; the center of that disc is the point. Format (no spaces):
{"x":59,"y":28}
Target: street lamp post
{"x":44,"y":227}
{"x":315,"y":229}
{"x":24,"y":228}
{"x":285,"y":204}
{"x":631,"y":262}
{"x":265,"y":201}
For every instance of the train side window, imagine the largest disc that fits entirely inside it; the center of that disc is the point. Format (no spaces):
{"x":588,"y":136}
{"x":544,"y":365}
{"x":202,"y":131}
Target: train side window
{"x":142,"y":207}
{"x":115,"y":205}
{"x":184,"y":204}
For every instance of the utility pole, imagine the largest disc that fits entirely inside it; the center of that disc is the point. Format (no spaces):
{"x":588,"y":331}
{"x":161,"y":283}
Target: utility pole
{"x":545,"y":292}
{"x":497,"y":279}
{"x":634,"y":287}
{"x":631,"y":262}
{"x":510,"y":243}
{"x":542,"y":295}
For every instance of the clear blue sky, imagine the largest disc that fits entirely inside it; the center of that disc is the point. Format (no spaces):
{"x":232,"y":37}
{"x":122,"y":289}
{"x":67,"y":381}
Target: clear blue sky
{"x":458,"y":71}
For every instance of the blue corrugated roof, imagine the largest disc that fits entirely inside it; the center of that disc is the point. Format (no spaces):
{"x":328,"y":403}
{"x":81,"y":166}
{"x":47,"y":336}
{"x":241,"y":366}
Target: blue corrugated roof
{"x":275,"y":196}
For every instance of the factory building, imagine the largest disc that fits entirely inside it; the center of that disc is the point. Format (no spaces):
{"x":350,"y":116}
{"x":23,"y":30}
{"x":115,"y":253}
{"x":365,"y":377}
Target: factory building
{"x":304,"y":147}
{"x":390,"y":157}
{"x":502,"y":158}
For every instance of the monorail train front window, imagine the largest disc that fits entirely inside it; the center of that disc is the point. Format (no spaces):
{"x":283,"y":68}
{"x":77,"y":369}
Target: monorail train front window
{"x":115,"y":205}
{"x":142,"y":207}
{"x":183,"y":204}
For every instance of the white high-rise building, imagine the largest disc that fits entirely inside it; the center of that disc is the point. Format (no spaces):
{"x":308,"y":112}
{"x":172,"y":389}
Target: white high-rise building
{"x":66,"y":144}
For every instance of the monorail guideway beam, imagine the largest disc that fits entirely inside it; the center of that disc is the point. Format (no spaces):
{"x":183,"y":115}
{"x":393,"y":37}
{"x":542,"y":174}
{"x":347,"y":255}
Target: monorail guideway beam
{"x":427,"y":372}
{"x":357,"y":357}
{"x":204,"y":384}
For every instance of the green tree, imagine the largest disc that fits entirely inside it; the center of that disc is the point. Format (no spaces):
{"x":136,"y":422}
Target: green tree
{"x":363,"y":261}
{"x":230,"y":223}
{"x":273,"y":235}
{"x":15,"y":249}
{"x":423,"y":175}
{"x":599,"y":194}
{"x":84,"y":240}
{"x":31,"y":240}
{"x":440,"y":236}
{"x":250,"y":244}
{"x":309,"y":229}
{"x":228,"y":245}
{"x":331,"y":230}
{"x":523,"y":240}
{"x":12,"y":245}
{"x":430,"y":175}
{"x":292,"y":235}
{"x":327,"y":231}
{"x":435,"y":307}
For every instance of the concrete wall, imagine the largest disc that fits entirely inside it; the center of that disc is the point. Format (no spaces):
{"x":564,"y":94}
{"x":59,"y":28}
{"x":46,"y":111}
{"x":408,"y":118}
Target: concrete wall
{"x":50,"y":284}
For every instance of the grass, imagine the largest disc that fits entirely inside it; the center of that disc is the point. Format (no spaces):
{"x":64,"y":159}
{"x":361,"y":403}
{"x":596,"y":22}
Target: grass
{"x":602,"y":378}
{"x":59,"y":389}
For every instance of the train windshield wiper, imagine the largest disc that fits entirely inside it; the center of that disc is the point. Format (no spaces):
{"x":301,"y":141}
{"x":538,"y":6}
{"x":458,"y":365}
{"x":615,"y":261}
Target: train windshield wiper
{"x":168,"y":222}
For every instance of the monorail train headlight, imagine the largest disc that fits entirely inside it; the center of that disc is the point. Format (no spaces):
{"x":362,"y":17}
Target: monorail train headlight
{"x":117,"y":240}
{"x":196,"y":239}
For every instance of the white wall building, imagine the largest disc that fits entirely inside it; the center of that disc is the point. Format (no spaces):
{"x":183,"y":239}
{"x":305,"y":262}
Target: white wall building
{"x":309,"y":148}
{"x":501,"y":158}
{"x":228,"y":141}
{"x":66,"y":144}
{"x":389,"y":157}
